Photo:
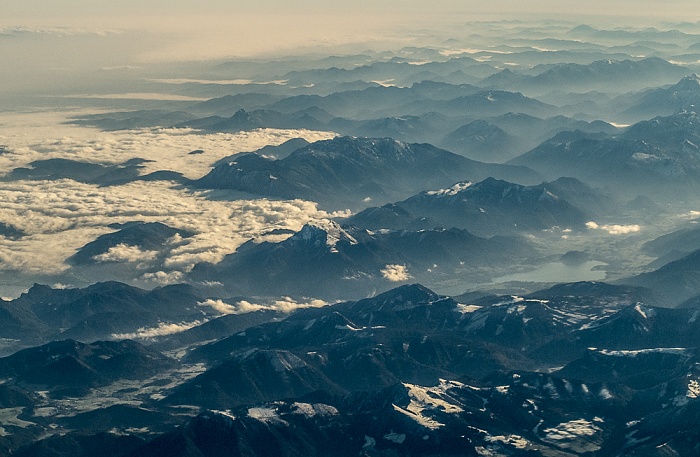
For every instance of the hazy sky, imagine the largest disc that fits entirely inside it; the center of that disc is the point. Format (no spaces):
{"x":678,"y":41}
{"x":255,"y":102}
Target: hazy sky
{"x":182,"y":28}
{"x":47,"y":38}
{"x":103,"y":11}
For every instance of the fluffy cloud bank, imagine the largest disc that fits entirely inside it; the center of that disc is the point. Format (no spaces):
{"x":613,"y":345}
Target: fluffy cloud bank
{"x":284,"y":305}
{"x":125,"y":253}
{"x":220,"y":307}
{"x":62,"y":216}
{"x":58,"y":217}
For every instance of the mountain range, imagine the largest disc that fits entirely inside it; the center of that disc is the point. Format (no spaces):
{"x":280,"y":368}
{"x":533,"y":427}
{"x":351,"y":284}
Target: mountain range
{"x":609,"y":75}
{"x":345,"y":171}
{"x":492,"y":207}
{"x":320,"y":357}
{"x":382,"y":374}
{"x":348,"y":261}
{"x":494,"y":251}
{"x":96,"y":312}
{"x":647,"y":158}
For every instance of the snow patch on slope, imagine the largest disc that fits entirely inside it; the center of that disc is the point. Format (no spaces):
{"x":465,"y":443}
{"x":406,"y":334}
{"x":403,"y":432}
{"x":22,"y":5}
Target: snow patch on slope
{"x":454,"y":190}
{"x":577,"y":435}
{"x":429,"y":399}
{"x":635,"y":353}
{"x":317,"y":409}
{"x":267,"y":415}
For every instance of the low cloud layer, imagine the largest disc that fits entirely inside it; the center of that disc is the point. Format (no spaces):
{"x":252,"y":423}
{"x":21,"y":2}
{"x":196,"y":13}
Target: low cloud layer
{"x":59,"y":217}
{"x":167,"y":149}
{"x":163,"y":329}
{"x":62,"y":216}
{"x":284,"y":305}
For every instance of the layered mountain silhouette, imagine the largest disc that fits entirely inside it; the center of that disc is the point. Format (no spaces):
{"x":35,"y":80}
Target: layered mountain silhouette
{"x":345,"y":171}
{"x":675,"y":282}
{"x":647,"y":158}
{"x":610,"y":75}
{"x":481,"y":141}
{"x":492,"y":207}
{"x":666,"y":101}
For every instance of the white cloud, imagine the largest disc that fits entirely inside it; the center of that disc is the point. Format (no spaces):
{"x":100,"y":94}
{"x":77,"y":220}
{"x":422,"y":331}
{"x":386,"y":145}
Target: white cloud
{"x":163,"y":329}
{"x":614,"y":229}
{"x":396,"y":273}
{"x":163,"y":277}
{"x":219,"y":306}
{"x":284,"y":305}
{"x":621,"y":229}
{"x":125,"y":253}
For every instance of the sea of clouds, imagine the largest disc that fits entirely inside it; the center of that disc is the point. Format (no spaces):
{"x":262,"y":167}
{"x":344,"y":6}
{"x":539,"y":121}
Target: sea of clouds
{"x":60,"y":216}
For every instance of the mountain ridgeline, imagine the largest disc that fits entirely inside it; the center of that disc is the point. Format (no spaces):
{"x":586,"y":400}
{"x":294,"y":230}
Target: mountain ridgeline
{"x":346,"y":171}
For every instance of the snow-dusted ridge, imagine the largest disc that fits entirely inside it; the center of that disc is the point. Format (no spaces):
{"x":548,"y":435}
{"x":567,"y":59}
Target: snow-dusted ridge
{"x":430,"y":399}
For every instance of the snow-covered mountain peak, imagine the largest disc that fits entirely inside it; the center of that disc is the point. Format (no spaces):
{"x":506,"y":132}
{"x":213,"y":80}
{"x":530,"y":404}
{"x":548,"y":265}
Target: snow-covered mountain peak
{"x":323,"y":232}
